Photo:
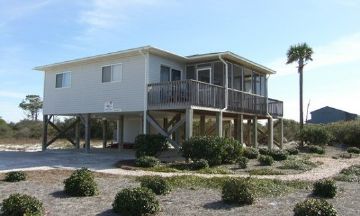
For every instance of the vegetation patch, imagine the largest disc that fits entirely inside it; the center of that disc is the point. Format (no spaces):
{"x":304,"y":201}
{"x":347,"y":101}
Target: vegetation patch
{"x":214,"y":170}
{"x":22,"y":204}
{"x":157,"y":184}
{"x":136,"y":202}
{"x":316,"y":149}
{"x":354,"y":150}
{"x":15,"y":176}
{"x":292,"y":151}
{"x":251,"y":153}
{"x":316,"y":135}
{"x":351,"y":174}
{"x":347,"y":132}
{"x":265,"y":171}
{"x":81,"y":183}
{"x":238,"y":191}
{"x":325,"y":188}
{"x":298,"y":164}
{"x":264,"y":151}
{"x":266,"y":160}
{"x":279,"y":155}
{"x":199,"y":164}
{"x":314,"y":207}
{"x":150,"y":145}
{"x":242,"y":162}
{"x":147,"y":161}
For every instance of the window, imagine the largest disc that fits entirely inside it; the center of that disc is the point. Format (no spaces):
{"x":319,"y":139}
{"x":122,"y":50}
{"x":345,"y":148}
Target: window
{"x":204,"y":74}
{"x":166,"y":76}
{"x":238,"y":79}
{"x":112,"y":73}
{"x":63,"y":80}
{"x":190,"y":72}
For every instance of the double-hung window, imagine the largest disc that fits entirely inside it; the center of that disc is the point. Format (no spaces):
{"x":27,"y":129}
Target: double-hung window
{"x":112,"y":73}
{"x":63,"y":80}
{"x":169,"y":74}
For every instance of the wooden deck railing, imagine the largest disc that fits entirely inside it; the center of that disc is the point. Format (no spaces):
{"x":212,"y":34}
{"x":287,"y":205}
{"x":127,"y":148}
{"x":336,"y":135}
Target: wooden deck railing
{"x":185,"y":93}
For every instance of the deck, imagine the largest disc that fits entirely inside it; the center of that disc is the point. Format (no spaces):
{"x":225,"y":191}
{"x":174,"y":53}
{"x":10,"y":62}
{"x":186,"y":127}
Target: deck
{"x":187,"y":93}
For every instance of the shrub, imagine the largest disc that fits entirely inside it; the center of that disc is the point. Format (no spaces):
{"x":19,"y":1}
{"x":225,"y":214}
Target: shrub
{"x":351,"y":174}
{"x":150,"y":145}
{"x":251,"y":153}
{"x":354,"y":150}
{"x":15,"y":176}
{"x":325,"y":188}
{"x":21,"y":204}
{"x":266,"y":160}
{"x":238,"y":191}
{"x":147,"y":161}
{"x":316,"y":135}
{"x":265,"y":171}
{"x":297,"y":164}
{"x":136,"y":202}
{"x":216,"y":150}
{"x":242,"y":161}
{"x":199,"y":164}
{"x":292,"y":151}
{"x":316,"y":149}
{"x":157,"y":184}
{"x":314,"y":207}
{"x":278,"y":155}
{"x":81,"y":183}
{"x":347,"y":132}
{"x":264,"y":151}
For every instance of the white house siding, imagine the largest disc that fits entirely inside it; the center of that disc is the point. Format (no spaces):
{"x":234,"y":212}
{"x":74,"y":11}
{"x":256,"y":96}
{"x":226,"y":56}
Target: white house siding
{"x":154,"y":67}
{"x":88,"y":94}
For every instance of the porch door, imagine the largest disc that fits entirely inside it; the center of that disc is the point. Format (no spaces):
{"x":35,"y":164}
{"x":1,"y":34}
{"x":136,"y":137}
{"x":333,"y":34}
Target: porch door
{"x":205,"y":95}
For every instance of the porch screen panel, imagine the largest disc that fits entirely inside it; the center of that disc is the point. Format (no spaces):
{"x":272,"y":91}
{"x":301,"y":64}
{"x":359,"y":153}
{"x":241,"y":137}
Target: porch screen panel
{"x":263,"y":85}
{"x":238,"y":78}
{"x":204,"y":75}
{"x":164,"y":74}
{"x":247,"y":80}
{"x":256,"y":83}
{"x":219,"y":74}
{"x":190,"y":72}
{"x":230,"y":75}
{"x":175,"y":75}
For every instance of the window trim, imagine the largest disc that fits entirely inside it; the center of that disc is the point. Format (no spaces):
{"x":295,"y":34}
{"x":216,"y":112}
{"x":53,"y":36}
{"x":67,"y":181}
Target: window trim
{"x":112,"y":81}
{"x":170,"y":72}
{"x":64,"y":72}
{"x":204,"y":68}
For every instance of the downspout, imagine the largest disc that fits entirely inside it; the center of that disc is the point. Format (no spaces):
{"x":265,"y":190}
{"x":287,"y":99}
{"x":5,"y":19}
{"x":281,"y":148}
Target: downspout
{"x":146,"y":72}
{"x":226,"y":83}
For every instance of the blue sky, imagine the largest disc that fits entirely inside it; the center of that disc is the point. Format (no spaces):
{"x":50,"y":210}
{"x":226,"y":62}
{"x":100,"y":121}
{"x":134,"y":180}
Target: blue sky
{"x":39,"y":32}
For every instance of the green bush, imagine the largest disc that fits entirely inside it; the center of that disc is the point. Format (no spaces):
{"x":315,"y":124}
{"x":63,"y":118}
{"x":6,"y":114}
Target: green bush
{"x":216,"y":150}
{"x":325,"y":188}
{"x":346,"y":132}
{"x":147,"y":161}
{"x":242,"y":162}
{"x":238,"y":191}
{"x":251,"y":153}
{"x":15,"y":176}
{"x":22,"y":205}
{"x":314,"y":207}
{"x":278,"y":155}
{"x":136,"y":202}
{"x":265,"y":171}
{"x":81,"y":183}
{"x":266,"y":160}
{"x":199,"y":164}
{"x":298,"y":164}
{"x":354,"y":150}
{"x":157,"y":184}
{"x":150,"y":145}
{"x":292,"y":151}
{"x":316,"y":135}
{"x":316,"y":149}
{"x":264,"y":151}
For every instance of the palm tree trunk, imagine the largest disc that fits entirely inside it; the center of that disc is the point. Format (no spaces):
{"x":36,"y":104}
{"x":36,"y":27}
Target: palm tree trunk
{"x":300,"y":70}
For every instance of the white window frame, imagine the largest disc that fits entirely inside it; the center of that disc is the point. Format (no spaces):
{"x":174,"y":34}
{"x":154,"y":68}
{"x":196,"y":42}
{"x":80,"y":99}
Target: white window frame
{"x":111,"y":66}
{"x":62,"y":87}
{"x":170,"y":71}
{"x":204,"y":68}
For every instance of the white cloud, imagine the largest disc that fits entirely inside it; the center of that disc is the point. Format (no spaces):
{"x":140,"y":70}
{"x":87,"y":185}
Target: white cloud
{"x":343,"y":50}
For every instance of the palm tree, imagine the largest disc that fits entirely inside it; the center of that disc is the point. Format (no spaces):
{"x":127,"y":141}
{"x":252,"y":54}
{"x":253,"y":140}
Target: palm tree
{"x":302,"y":54}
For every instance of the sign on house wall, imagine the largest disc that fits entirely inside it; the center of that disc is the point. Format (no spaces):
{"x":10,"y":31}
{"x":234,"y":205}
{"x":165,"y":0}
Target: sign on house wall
{"x":109,"y":107}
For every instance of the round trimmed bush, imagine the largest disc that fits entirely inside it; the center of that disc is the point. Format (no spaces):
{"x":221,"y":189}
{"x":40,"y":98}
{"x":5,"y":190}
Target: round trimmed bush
{"x":22,"y":204}
{"x":251,"y":153}
{"x":316,"y":149}
{"x":314,"y":207}
{"x":199,"y":164}
{"x":325,"y":188}
{"x":136,"y":202}
{"x":242,"y":162}
{"x":157,"y":184}
{"x":216,"y":150}
{"x":279,"y":155}
{"x":147,"y":161}
{"x":264,"y":151}
{"x":15,"y":176}
{"x":354,"y":150}
{"x":292,"y":151}
{"x":81,"y":183}
{"x":238,"y":191}
{"x":150,"y":144}
{"x":266,"y":160}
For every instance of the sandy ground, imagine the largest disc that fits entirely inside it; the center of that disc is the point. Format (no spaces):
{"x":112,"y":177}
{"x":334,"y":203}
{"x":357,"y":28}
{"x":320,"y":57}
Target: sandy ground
{"x":48,"y":187}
